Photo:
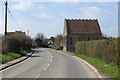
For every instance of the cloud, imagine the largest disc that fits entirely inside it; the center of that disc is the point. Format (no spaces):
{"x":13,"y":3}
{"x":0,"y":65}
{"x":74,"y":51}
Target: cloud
{"x":22,"y":5}
{"x":56,"y":23}
{"x":85,"y":0}
{"x":111,"y":30}
{"x":41,"y":7}
{"x":43,"y":15}
{"x":67,"y":0}
{"x":93,"y":12}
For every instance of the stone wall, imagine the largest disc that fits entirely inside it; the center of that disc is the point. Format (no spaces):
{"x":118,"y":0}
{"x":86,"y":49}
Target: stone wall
{"x":72,"y":39}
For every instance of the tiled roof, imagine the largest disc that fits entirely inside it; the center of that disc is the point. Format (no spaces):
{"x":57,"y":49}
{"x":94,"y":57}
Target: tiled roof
{"x":81,"y":26}
{"x":9,"y":33}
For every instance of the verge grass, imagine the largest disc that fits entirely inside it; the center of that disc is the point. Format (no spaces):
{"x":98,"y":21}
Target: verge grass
{"x":110,"y":70}
{"x":4,"y":58}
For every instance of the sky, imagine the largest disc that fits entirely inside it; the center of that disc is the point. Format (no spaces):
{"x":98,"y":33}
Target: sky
{"x":47,"y":17}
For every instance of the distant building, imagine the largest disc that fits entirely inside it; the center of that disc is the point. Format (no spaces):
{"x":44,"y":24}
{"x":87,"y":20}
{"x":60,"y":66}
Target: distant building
{"x":51,"y":42}
{"x":80,"y":30}
{"x":16,"y":32}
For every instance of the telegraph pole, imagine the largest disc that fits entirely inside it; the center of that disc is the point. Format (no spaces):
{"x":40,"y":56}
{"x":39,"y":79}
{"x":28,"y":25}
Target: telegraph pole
{"x":28,"y":32}
{"x":6,"y":18}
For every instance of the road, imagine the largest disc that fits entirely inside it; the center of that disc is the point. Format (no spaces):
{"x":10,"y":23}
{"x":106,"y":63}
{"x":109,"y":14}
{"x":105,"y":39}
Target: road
{"x":49,"y":63}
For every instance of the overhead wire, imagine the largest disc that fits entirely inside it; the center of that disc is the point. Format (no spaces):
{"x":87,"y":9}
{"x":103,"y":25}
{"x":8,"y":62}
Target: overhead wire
{"x":14,"y":19}
{"x":33,"y":17}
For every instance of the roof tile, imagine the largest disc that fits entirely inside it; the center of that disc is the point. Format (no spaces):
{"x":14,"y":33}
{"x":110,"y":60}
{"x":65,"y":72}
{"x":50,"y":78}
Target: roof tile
{"x":79,"y":26}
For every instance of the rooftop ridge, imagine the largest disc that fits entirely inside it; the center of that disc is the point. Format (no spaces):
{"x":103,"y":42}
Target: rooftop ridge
{"x":81,"y":19}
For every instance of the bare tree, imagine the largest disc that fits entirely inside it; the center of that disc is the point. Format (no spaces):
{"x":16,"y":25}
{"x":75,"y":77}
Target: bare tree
{"x":40,"y":36}
{"x":41,"y":40}
{"x":58,"y":41}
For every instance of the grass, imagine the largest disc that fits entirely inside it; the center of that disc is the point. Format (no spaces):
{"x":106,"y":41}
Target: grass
{"x":8,"y":57}
{"x":23,"y":53}
{"x":4,"y":58}
{"x":110,"y":70}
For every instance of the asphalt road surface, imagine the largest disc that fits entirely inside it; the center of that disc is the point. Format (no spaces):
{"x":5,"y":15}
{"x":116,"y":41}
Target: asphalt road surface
{"x":49,"y":63}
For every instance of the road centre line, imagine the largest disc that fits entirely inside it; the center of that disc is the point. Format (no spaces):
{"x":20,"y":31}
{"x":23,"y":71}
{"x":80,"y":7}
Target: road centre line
{"x":37,"y":76}
{"x":51,"y":60}
{"x":46,"y":67}
{"x":51,"y":56}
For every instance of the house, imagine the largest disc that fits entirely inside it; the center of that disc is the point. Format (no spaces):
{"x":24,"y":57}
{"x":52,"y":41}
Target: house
{"x":16,"y":32}
{"x":80,"y":30}
{"x":51,"y":42}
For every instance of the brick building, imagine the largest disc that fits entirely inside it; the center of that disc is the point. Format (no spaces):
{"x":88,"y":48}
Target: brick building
{"x":16,"y":32}
{"x":80,"y":30}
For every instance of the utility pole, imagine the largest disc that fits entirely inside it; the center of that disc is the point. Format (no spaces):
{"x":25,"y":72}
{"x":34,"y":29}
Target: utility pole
{"x":6,"y":18}
{"x":28,"y":32}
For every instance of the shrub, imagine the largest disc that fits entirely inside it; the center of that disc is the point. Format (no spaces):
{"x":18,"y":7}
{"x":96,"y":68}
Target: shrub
{"x":106,"y":50}
{"x":23,"y":53}
{"x":58,"y":42}
{"x":16,"y":42}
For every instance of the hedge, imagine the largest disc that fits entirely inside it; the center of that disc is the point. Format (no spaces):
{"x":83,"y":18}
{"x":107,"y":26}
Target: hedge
{"x":106,"y":50}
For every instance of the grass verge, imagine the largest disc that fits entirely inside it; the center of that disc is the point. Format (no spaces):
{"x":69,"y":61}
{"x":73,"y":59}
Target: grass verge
{"x":8,"y":57}
{"x":110,"y":70}
{"x":4,"y":58}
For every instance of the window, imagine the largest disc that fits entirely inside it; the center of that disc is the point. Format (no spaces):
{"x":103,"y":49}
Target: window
{"x":96,"y":38}
{"x":88,"y":38}
{"x":79,"y":38}
{"x":71,"y":40}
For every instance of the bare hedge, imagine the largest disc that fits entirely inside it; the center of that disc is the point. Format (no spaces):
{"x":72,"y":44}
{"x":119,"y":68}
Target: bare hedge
{"x":16,"y":43}
{"x":106,"y":50}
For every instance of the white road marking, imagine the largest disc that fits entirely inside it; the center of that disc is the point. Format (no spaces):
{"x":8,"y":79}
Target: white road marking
{"x":99,"y":76}
{"x":46,"y":67}
{"x":51,"y":60}
{"x":37,"y":76}
{"x":16,"y":64}
{"x":51,"y":56}
{"x":93,"y":68}
{"x":48,"y":52}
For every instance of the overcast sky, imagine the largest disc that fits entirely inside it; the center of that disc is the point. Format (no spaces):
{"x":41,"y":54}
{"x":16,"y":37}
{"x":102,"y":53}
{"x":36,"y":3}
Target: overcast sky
{"x":48,"y":17}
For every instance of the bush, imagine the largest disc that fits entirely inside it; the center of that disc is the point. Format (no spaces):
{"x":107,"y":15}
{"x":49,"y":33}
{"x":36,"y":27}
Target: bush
{"x":58,"y":42}
{"x":16,"y":42}
{"x":106,"y":50}
{"x":119,"y":52}
{"x":23,"y":53}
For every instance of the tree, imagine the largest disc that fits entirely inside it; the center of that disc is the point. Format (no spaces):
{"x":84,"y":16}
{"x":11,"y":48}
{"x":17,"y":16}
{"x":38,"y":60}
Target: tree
{"x":51,"y":42}
{"x":58,"y":44}
{"x":104,"y":36}
{"x":40,"y":36}
{"x":38,"y":42}
{"x":41,"y":40}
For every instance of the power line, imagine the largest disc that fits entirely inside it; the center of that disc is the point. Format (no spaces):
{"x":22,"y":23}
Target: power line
{"x":33,"y":17}
{"x":14,"y":19}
